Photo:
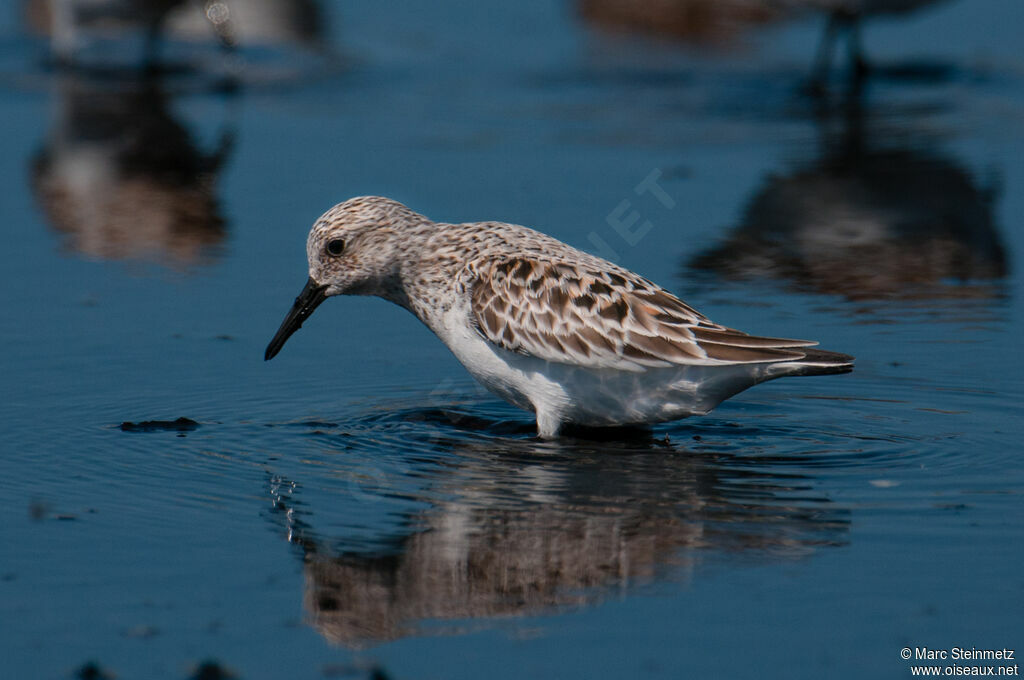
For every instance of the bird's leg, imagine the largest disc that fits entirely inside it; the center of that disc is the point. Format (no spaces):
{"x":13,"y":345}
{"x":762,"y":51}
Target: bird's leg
{"x":823,"y":57}
{"x":151,"y":50}
{"x":859,"y":66}
{"x":548,"y":423}
{"x":63,"y":32}
{"x":219,"y":16}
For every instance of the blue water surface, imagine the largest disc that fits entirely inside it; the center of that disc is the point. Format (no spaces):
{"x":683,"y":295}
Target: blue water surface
{"x":358,"y":505}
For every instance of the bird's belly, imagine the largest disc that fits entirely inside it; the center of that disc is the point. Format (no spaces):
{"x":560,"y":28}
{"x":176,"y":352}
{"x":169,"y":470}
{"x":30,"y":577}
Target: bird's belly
{"x":565,"y":393}
{"x":606,"y":397}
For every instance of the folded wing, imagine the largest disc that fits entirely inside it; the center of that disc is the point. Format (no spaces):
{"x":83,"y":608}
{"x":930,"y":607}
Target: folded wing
{"x":566,"y":313}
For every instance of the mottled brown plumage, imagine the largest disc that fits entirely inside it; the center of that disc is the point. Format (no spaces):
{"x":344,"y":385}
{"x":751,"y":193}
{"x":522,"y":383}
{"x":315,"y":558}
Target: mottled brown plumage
{"x":603,"y":319}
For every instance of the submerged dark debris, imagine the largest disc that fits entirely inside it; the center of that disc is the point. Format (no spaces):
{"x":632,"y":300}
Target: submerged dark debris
{"x":178,"y":425}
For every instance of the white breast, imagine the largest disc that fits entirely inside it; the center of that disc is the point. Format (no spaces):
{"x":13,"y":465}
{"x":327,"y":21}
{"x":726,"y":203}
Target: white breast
{"x":520,"y":380}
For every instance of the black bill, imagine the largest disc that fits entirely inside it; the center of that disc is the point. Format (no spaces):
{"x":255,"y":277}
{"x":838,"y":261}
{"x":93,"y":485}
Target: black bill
{"x":309,"y":299}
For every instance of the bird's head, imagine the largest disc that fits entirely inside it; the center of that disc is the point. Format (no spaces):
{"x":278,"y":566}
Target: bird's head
{"x":355,"y":248}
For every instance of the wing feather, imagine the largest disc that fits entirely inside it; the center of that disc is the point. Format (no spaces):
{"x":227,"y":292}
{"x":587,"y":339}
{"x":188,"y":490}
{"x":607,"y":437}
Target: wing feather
{"x":563,"y":313}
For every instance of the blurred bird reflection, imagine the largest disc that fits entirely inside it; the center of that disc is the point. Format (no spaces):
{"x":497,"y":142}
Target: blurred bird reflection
{"x":516,"y":527}
{"x":889,"y":219}
{"x":122,"y":178}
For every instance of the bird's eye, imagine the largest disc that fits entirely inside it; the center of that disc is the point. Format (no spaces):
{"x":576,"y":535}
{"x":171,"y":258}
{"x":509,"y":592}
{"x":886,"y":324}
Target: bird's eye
{"x":336,"y":247}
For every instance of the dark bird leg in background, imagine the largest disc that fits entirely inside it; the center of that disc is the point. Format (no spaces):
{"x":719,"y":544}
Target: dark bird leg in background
{"x":151,"y":49}
{"x":823,"y":58}
{"x":858,"y":63}
{"x":839,"y":21}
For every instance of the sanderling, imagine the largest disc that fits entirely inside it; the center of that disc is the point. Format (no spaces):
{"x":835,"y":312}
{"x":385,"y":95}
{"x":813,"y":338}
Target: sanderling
{"x":551,"y":329}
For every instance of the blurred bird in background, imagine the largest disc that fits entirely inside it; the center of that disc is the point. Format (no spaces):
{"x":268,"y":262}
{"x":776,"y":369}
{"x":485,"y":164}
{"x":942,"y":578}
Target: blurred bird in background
{"x":104,"y":32}
{"x":710,"y":21}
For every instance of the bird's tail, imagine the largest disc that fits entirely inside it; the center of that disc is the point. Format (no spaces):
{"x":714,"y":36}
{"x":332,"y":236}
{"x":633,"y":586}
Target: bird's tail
{"x":814,"y":362}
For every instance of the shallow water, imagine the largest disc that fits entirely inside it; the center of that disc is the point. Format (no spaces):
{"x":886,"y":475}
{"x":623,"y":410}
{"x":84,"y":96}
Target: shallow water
{"x":358,"y":505}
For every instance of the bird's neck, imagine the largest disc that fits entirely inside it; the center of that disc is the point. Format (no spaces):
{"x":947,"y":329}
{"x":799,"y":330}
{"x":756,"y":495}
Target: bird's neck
{"x":432,"y":275}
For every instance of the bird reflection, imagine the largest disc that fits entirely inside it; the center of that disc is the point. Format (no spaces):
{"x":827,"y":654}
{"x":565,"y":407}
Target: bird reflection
{"x":868,"y":221}
{"x":122,"y":178}
{"x":518,"y":527}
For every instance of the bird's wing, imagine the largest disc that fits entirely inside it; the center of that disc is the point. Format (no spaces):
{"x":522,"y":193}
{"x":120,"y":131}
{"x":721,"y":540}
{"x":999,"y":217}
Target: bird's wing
{"x":567,"y":313}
